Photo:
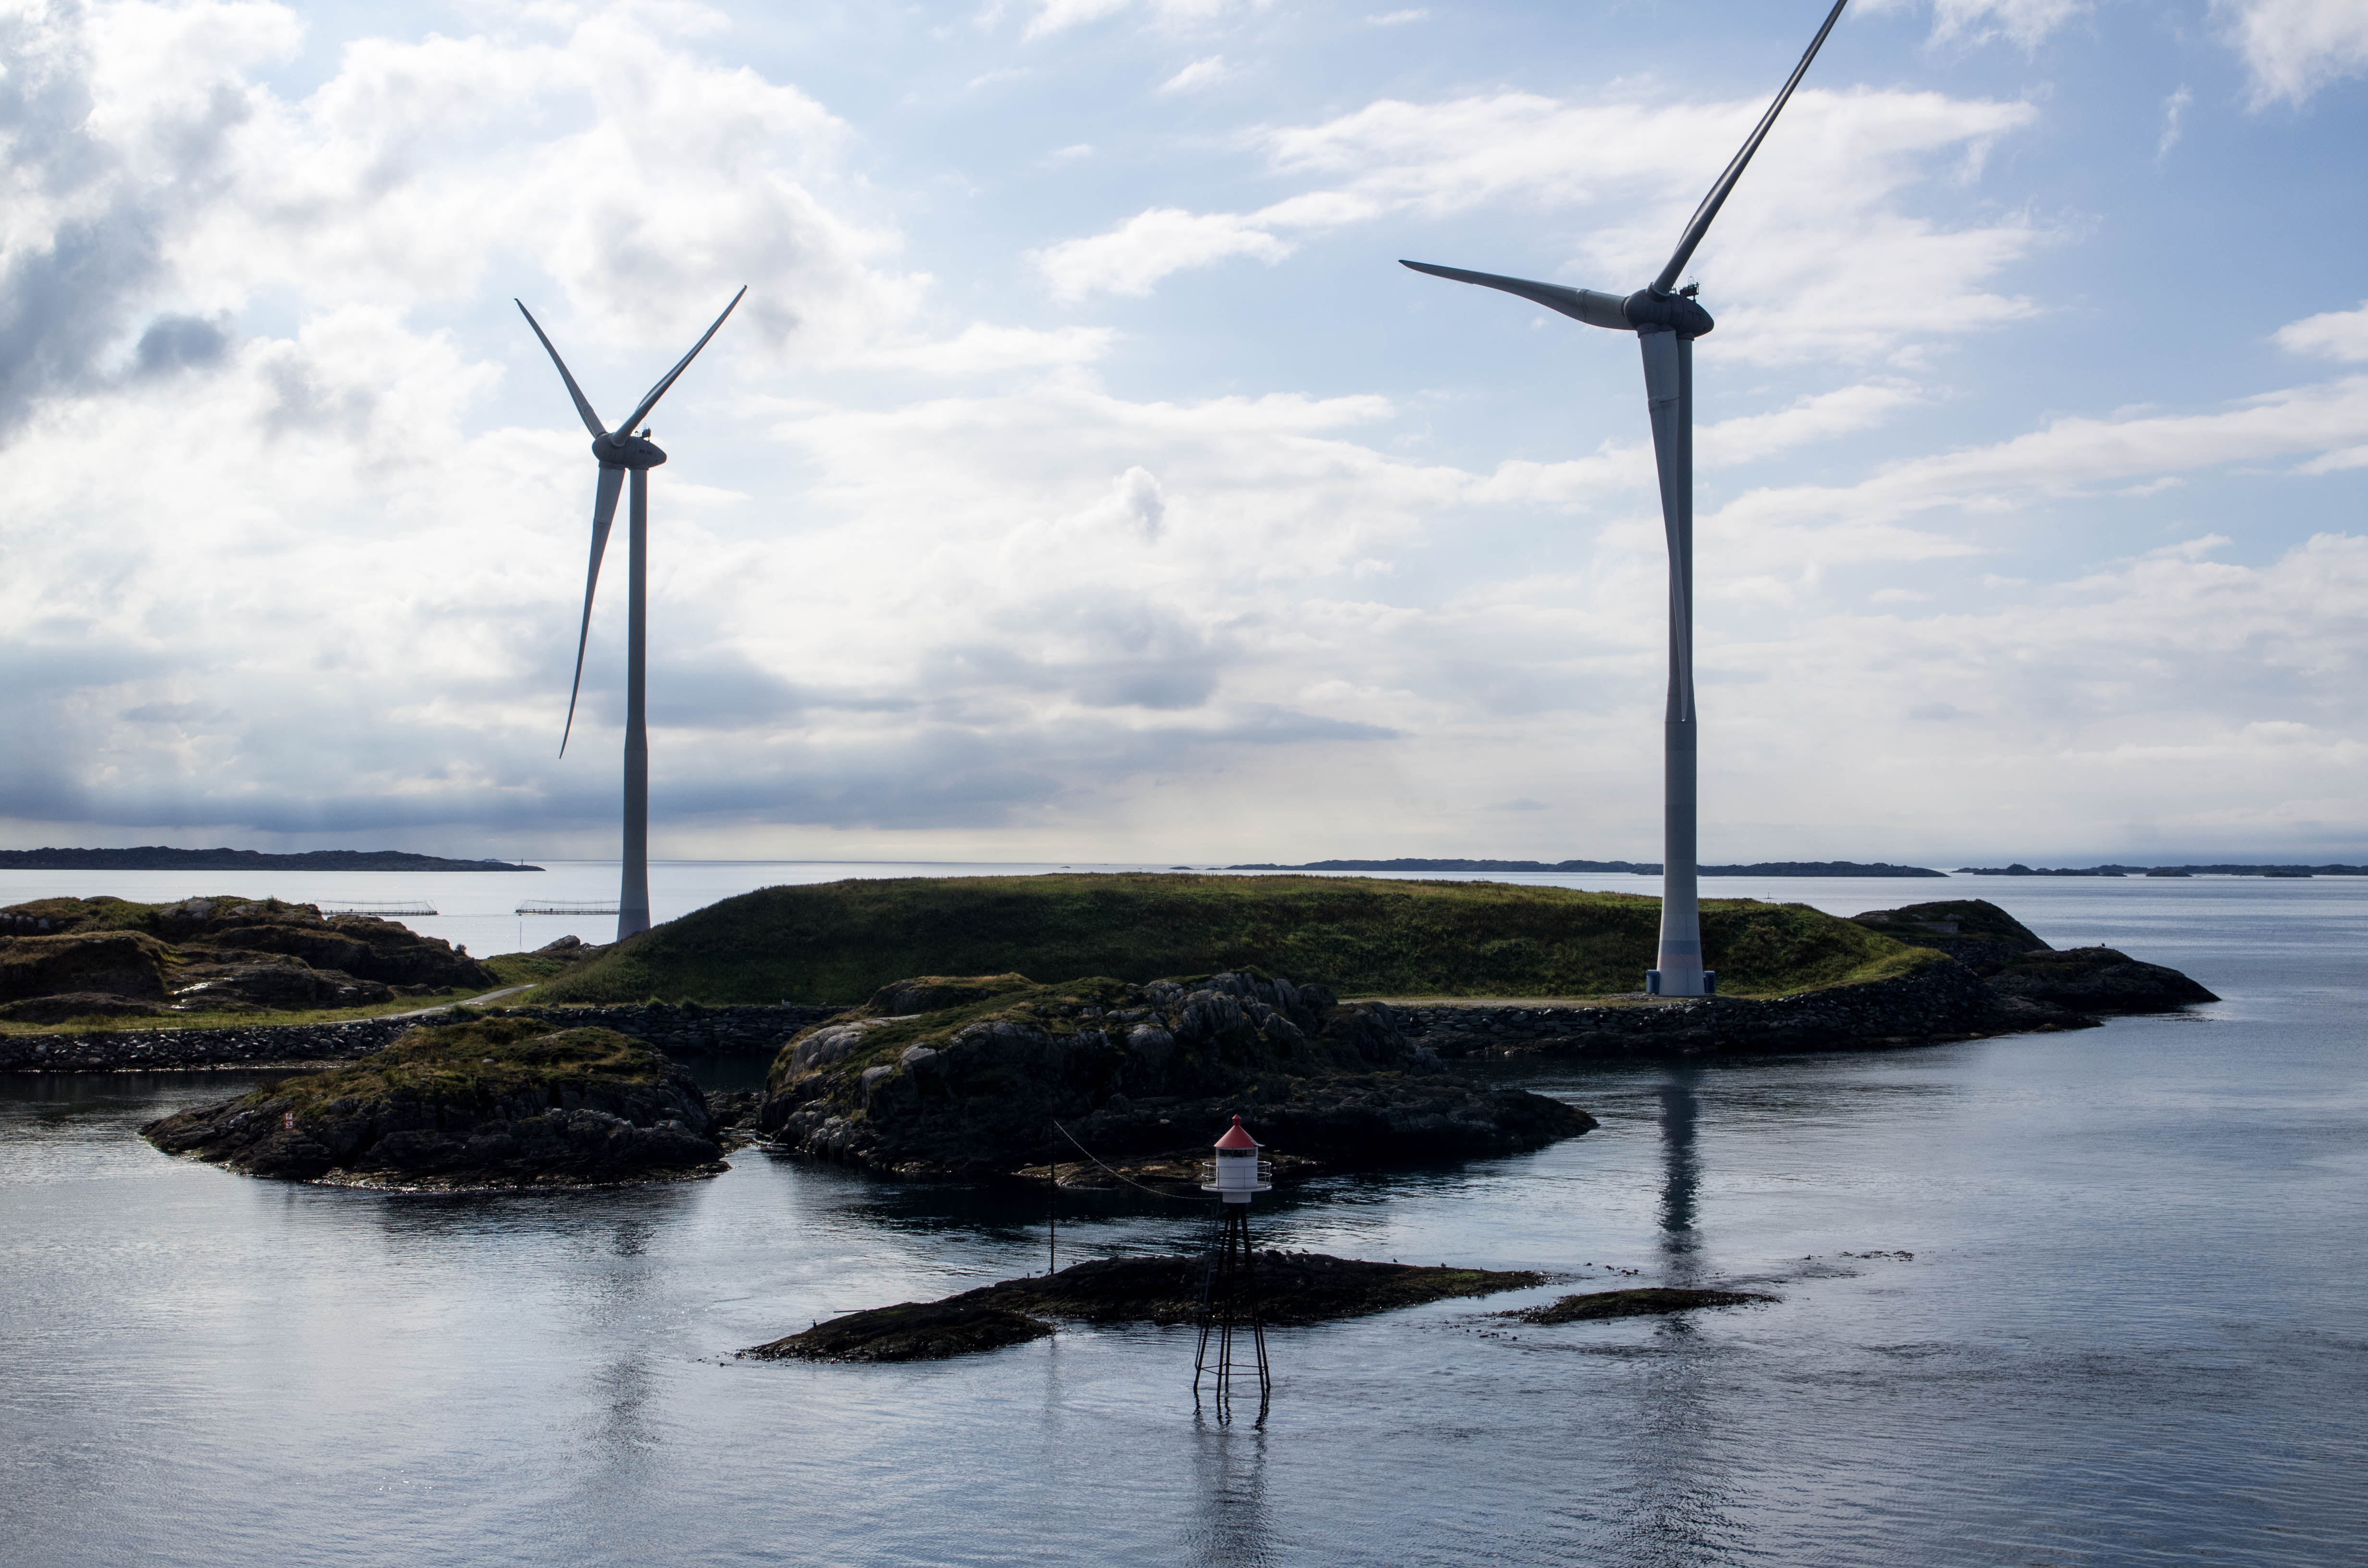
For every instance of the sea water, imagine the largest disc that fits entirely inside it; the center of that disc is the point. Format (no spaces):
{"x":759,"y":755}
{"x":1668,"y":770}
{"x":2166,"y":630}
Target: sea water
{"x":2082,"y":1298}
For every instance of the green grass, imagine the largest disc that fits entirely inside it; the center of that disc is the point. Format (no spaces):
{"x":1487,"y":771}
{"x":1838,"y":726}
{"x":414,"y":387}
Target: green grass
{"x":481,"y":1061}
{"x":529,"y":969}
{"x":137,"y":1024}
{"x":107,"y":913}
{"x":1050,"y":1010}
{"x":835,"y":943}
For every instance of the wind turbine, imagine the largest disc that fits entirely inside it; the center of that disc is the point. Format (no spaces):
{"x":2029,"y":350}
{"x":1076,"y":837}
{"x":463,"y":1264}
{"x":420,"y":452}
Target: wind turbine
{"x":624,"y":451}
{"x":1666,"y":321}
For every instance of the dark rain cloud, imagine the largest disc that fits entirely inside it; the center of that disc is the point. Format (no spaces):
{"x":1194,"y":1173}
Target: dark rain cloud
{"x":179,"y":343}
{"x":66,"y":304}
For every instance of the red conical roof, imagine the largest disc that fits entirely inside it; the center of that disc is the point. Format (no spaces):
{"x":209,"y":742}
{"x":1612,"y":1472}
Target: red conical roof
{"x":1237,"y":1137}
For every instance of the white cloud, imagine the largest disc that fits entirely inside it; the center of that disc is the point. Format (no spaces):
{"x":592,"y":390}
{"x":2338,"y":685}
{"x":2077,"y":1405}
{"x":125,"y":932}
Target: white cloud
{"x":2335,"y":335}
{"x":1396,"y":19}
{"x":649,"y":182}
{"x":2023,"y":22}
{"x":1059,"y":16}
{"x":983,"y":348}
{"x":2294,"y":48}
{"x":1202,"y":73}
{"x":2174,"y":110}
{"x":2071,"y":455}
{"x":1132,"y":257}
{"x":1816,"y":417}
{"x":1813,"y":258}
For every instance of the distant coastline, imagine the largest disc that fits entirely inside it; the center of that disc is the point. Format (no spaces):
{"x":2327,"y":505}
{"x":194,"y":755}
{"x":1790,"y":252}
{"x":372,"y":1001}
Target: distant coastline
{"x":158,"y":858}
{"x":1810,"y":869}
{"x":2019,"y":870}
{"x":1634,"y":868}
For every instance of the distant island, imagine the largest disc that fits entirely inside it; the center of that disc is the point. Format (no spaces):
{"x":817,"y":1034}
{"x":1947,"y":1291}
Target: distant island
{"x":157,"y":857}
{"x":2018,"y":869}
{"x":1632,"y":868}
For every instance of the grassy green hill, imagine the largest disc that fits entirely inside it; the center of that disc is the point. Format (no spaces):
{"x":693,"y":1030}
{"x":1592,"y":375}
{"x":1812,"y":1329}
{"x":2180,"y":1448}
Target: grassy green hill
{"x":838,"y":942}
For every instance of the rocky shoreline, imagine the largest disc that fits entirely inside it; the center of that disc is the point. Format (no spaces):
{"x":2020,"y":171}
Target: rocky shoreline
{"x":975,"y":1077}
{"x":1939,"y":1003}
{"x":2004,"y":981}
{"x":684,"y":1030}
{"x":160,"y":1050}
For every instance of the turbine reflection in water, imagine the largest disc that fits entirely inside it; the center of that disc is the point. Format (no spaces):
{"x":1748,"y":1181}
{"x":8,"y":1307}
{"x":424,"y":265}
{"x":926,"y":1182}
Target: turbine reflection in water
{"x":1680,"y":1177}
{"x":1682,"y":1505}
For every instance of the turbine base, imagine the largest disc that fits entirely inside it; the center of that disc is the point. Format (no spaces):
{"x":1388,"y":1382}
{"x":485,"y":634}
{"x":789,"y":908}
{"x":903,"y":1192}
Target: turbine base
{"x":1681,"y":982}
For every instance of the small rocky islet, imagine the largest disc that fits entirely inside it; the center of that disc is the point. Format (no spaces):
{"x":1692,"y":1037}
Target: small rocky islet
{"x":490,"y":1105}
{"x":70,"y":958}
{"x":1293,"y":1288}
{"x":2032,"y":982}
{"x":1650,"y":1300}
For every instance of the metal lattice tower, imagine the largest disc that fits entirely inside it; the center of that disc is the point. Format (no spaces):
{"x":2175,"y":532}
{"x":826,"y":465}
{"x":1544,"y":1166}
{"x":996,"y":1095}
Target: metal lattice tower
{"x":1229,"y":1293}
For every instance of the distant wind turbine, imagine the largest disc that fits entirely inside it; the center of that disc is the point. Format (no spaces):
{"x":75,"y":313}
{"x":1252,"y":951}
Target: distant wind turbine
{"x":1666,"y":321}
{"x":619,"y":452}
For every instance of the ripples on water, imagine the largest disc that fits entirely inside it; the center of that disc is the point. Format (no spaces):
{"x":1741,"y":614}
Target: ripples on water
{"x":2132,"y":1330}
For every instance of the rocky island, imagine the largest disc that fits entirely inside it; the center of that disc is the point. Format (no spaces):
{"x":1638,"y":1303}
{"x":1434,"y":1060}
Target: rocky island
{"x":1293,"y":1288}
{"x":162,"y":858}
{"x":496,"y":1104}
{"x":1972,"y":970}
{"x":2029,"y":979}
{"x":937,"y":1077}
{"x":70,"y":959}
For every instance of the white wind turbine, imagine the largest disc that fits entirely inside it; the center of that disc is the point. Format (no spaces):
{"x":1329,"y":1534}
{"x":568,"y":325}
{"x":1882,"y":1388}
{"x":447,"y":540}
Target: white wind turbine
{"x":623,"y":451}
{"x":1666,"y":321}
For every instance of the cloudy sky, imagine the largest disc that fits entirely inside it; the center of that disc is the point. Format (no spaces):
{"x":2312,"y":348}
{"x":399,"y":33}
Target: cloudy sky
{"x":1082,"y":479}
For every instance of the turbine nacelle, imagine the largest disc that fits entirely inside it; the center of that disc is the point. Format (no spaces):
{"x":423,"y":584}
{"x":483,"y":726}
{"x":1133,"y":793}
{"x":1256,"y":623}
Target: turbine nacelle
{"x":1649,"y":310}
{"x":628,"y":452}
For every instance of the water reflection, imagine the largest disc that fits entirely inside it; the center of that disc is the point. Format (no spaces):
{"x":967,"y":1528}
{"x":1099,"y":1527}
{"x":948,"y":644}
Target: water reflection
{"x":1681,"y":1176}
{"x":1681,"y":1509}
{"x":1230,"y":1527}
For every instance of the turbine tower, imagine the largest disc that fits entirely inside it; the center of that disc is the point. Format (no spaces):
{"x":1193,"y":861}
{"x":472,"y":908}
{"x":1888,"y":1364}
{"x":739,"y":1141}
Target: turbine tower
{"x":1666,"y":321}
{"x":625,"y":450}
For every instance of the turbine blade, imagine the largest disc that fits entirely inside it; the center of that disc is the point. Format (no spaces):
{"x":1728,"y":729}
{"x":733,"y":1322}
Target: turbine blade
{"x":1580,"y":304}
{"x":1699,"y":224}
{"x":591,"y":420}
{"x":604,"y":513}
{"x":659,"y":390}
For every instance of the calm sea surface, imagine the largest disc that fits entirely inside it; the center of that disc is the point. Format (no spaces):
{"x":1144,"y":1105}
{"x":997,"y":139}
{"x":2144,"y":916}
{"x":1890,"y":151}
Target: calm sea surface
{"x":2134,"y":1328}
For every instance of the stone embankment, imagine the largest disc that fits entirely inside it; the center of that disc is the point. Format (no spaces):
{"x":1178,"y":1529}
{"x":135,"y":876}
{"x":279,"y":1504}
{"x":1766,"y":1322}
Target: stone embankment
{"x":688,"y":1030}
{"x":1942,"y":1001}
{"x":145,"y":1051}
